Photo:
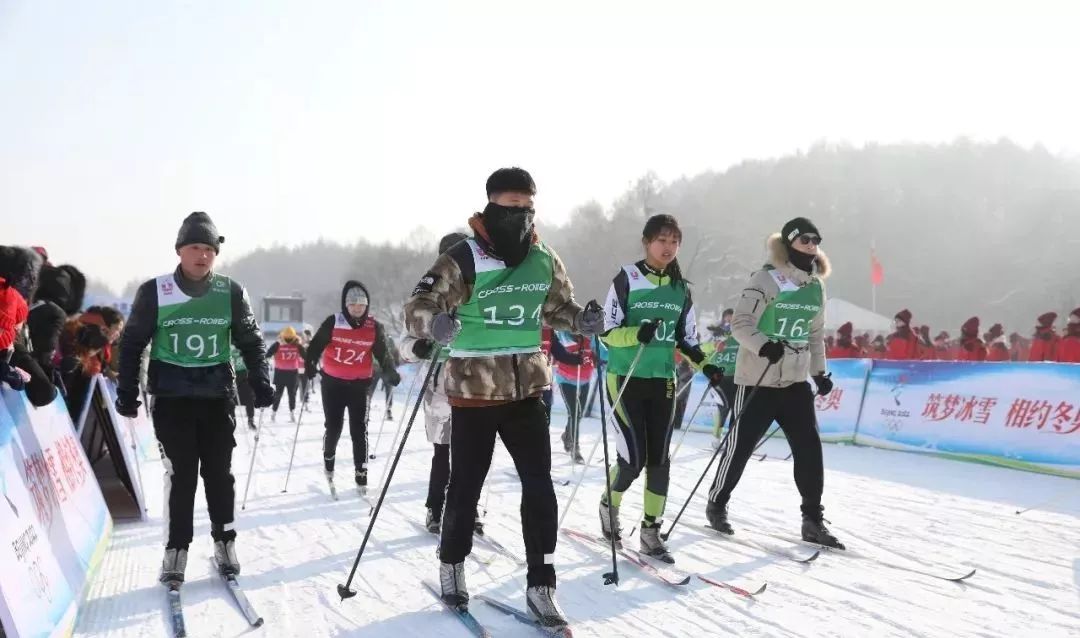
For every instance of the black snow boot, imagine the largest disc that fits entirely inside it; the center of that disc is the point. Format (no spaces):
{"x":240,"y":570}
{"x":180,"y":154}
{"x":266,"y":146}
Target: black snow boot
{"x":814,"y":530}
{"x":717,"y":515}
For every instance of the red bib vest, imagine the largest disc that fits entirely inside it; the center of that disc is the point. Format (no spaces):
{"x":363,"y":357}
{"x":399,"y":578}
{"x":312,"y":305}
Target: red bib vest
{"x":348,"y":355}
{"x":287,"y":357}
{"x":571,"y":372}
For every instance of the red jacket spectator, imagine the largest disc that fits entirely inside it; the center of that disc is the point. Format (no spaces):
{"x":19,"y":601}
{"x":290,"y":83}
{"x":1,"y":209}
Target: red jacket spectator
{"x":1019,"y":348}
{"x":926,"y":346}
{"x":903,"y":345}
{"x":971,"y":346}
{"x":844,"y":348}
{"x":1044,"y":344}
{"x":877,"y":349}
{"x":1068,"y":350}
{"x":998,"y":351}
{"x":943,"y":349}
{"x":13,"y":311}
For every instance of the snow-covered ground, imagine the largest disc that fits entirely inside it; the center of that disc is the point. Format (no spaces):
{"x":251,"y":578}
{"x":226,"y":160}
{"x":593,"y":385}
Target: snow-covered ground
{"x":296,"y":547}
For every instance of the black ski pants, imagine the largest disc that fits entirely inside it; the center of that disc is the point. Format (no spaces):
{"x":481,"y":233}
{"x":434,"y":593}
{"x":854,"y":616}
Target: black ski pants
{"x":285,"y":380}
{"x":574,"y":395}
{"x":196,"y":436}
{"x":245,"y":394}
{"x":792,"y":408}
{"x":522,"y":425}
{"x":644,"y":423}
{"x":439,"y":478}
{"x":337,"y":397}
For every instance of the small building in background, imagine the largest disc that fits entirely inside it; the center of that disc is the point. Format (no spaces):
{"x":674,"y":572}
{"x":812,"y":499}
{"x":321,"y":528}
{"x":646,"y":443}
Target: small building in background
{"x":280,"y":311}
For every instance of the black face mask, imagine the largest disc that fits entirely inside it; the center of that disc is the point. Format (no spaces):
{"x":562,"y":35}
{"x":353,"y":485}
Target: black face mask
{"x":510,"y":229}
{"x":800,"y":260}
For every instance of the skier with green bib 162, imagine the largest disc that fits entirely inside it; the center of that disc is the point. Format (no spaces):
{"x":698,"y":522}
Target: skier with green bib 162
{"x":780,"y":325}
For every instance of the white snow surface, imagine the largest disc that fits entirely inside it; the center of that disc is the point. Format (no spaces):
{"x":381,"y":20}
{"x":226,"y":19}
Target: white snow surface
{"x":296,"y":547}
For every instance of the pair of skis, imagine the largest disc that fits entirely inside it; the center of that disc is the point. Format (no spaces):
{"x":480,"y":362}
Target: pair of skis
{"x":466,"y":617}
{"x":176,"y":605}
{"x":956,"y":577}
{"x":669,"y":576}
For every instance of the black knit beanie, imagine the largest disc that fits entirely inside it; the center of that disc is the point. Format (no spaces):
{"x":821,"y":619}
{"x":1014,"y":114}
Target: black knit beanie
{"x":796,"y":227}
{"x":198,"y":228}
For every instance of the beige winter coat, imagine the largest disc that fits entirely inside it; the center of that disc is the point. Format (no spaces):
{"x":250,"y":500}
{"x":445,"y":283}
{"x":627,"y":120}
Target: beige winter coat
{"x":758,"y":294}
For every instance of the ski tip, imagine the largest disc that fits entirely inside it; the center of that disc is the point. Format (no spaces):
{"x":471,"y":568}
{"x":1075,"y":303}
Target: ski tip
{"x":258,"y":623}
{"x":683,"y":582}
{"x":960,"y":579}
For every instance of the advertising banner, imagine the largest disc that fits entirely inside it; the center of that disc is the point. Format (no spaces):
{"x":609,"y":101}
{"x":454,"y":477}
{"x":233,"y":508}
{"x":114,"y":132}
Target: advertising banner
{"x":1022,"y":415}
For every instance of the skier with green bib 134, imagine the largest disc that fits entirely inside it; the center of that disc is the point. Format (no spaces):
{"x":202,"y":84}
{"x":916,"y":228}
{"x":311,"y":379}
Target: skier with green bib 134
{"x":780,"y":325}
{"x":488,"y":298}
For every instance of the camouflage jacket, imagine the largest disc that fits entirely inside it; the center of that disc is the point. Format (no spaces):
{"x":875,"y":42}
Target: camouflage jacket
{"x":486,"y":380}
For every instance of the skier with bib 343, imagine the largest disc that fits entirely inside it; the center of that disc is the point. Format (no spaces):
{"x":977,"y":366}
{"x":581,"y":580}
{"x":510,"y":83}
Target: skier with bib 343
{"x":648,"y":314}
{"x":780,"y":325}
{"x":344,"y":347}
{"x":488,"y":298}
{"x":189,"y":318}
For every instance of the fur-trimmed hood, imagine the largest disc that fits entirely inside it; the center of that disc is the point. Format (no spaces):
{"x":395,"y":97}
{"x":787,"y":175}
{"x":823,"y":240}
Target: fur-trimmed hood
{"x":778,"y":257}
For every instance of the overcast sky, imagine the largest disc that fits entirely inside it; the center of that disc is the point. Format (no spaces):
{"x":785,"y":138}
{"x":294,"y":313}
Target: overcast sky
{"x":291,"y":121}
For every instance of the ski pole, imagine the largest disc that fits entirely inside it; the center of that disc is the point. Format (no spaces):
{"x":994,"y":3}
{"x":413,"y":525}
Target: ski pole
{"x":1050,"y":501}
{"x":412,"y":384}
{"x":292,"y":456}
{"x":577,"y":403}
{"x":611,"y":577}
{"x":762,"y":442}
{"x":343,"y":590}
{"x":401,"y":422}
{"x":719,"y":448}
{"x":382,"y":424}
{"x":618,"y":397}
{"x":686,"y":425}
{"x":251,"y":467}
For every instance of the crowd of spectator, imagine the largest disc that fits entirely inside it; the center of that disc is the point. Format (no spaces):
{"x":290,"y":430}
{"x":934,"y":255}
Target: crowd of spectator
{"x":48,"y":343}
{"x":911,"y":343}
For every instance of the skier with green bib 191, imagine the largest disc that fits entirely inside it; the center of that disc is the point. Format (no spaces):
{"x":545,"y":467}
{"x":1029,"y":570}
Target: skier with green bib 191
{"x":189,"y":318}
{"x":648,"y":305}
{"x":780,"y":325}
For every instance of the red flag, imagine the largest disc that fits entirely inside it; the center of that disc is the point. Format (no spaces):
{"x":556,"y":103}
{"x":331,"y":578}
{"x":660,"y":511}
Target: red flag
{"x":877,"y":273}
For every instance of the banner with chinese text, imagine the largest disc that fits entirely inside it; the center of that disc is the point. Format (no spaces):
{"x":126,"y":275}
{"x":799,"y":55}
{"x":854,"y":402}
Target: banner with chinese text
{"x":1022,"y":415}
{"x":838,"y":412}
{"x":53,"y":518}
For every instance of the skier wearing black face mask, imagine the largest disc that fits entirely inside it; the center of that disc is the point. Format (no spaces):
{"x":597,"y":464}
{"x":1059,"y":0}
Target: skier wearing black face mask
{"x":488,"y":298}
{"x":779,"y":322}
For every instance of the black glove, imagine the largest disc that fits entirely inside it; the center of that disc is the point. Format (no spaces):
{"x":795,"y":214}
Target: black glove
{"x":310,"y":372}
{"x":590,"y":321}
{"x":263,"y":391}
{"x":824,"y":383}
{"x":647,"y":331}
{"x":773,"y":351}
{"x":423,"y":348}
{"x":11,"y":376}
{"x":392,"y":378}
{"x":127,"y":406}
{"x":714,"y":374}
